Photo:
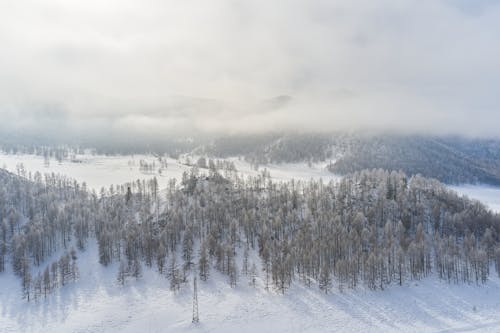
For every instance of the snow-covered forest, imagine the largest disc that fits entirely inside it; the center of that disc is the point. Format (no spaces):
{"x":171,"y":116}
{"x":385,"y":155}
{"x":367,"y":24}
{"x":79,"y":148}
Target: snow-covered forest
{"x":372,"y":228}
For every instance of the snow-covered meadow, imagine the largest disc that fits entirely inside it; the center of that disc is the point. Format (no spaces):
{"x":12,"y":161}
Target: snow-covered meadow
{"x":489,"y":195}
{"x":102,"y":170}
{"x":97,"y":303}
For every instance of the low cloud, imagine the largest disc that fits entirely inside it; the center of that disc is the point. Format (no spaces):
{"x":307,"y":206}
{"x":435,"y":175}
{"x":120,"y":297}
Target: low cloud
{"x":82,"y":68}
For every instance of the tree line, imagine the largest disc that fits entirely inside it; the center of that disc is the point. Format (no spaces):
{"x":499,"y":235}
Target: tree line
{"x":373,"y":228}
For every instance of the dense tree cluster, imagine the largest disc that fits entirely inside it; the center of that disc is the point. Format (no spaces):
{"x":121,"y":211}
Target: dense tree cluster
{"x":373,"y":228}
{"x":39,"y":218}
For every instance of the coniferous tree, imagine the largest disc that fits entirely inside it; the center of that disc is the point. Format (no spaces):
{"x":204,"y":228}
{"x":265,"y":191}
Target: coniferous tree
{"x":325,"y":280}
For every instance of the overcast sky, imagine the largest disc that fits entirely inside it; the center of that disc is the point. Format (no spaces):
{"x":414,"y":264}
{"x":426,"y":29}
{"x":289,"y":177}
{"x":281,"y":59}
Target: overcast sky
{"x":158,"y":66}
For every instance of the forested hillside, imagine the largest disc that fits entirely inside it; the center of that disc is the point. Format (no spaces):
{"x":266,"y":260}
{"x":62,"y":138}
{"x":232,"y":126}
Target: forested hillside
{"x":451,"y":160}
{"x":373,"y":228}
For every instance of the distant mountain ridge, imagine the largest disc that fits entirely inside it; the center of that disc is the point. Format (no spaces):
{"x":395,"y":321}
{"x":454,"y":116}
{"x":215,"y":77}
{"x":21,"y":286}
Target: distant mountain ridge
{"x":447,"y":160}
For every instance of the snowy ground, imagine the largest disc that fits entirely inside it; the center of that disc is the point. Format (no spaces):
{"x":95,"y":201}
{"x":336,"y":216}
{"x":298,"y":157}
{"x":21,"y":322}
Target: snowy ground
{"x":489,"y":195}
{"x":96,"y":170}
{"x":100,"y":170}
{"x":96,"y":303}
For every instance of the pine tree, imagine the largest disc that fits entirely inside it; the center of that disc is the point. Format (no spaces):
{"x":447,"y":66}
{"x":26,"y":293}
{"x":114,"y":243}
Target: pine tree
{"x":136,"y":269}
{"x":26,"y":278}
{"x":160,"y":258}
{"x":244,"y":269}
{"x":325,"y":280}
{"x":233,"y":272}
{"x":46,"y":281}
{"x":122,"y":273}
{"x":174,"y":275}
{"x":253,"y":275}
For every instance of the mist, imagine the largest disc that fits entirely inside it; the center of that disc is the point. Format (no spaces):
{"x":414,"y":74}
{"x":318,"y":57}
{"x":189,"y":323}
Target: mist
{"x":101,"y":69}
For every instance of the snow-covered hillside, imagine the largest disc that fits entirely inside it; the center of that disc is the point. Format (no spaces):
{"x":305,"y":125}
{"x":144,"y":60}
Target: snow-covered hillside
{"x":96,"y":303}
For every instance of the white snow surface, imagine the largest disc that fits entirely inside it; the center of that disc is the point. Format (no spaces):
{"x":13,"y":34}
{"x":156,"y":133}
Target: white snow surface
{"x":102,"y":170}
{"x":95,"y":170}
{"x":96,"y":303}
{"x":489,"y":195}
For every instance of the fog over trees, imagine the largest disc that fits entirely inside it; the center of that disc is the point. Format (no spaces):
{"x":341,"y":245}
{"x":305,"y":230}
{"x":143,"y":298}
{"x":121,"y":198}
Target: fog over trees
{"x":372,"y":228}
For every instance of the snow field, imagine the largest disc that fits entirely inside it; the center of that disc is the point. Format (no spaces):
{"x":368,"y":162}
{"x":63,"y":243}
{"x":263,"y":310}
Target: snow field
{"x":97,"y":303}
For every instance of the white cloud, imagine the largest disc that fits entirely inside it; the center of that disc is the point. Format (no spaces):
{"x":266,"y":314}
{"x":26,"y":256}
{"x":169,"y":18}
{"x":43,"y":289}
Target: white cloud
{"x":413,"y":65}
